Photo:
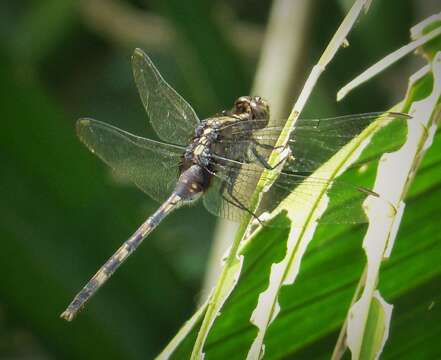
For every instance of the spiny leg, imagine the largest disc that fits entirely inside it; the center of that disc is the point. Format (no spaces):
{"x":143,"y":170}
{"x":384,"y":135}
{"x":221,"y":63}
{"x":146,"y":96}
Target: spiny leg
{"x":263,"y":161}
{"x":236,"y":202}
{"x":267,"y":146}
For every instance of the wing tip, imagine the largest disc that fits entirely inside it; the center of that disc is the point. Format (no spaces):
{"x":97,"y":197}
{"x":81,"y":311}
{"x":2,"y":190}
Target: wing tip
{"x":138,"y":54}
{"x":141,"y":62}
{"x":82,"y":123}
{"x":83,"y":126}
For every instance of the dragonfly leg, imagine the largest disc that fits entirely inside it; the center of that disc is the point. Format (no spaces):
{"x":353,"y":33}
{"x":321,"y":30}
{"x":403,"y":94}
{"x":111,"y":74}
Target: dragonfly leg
{"x":227,"y":186}
{"x":267,"y":146}
{"x":263,"y":161}
{"x":236,"y":202}
{"x":239,"y":205}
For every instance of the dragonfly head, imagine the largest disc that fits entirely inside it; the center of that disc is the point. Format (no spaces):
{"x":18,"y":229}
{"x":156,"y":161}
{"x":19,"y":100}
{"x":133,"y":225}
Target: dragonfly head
{"x":253,"y":106}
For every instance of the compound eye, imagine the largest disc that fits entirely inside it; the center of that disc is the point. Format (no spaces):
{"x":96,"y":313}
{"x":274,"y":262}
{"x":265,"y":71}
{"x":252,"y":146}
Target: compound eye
{"x":240,"y":106}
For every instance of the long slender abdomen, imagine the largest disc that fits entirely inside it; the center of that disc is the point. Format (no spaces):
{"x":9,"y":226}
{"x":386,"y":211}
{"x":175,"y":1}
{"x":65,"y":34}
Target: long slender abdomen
{"x":129,"y":246}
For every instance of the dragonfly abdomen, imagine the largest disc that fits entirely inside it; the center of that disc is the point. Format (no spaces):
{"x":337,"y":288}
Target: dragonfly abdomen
{"x":116,"y":260}
{"x":192,"y":183}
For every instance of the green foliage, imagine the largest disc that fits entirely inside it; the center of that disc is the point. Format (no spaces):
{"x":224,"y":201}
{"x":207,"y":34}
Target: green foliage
{"x":313,"y":310}
{"x":62,"y":212}
{"x":292,"y":317}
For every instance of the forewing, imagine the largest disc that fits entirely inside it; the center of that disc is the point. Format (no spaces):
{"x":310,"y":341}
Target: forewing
{"x":173,"y":119}
{"x":315,"y":141}
{"x":312,"y":143}
{"x":151,"y":165}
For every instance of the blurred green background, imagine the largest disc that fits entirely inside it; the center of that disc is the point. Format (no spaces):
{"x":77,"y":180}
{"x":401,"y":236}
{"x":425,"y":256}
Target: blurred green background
{"x":62,"y":211}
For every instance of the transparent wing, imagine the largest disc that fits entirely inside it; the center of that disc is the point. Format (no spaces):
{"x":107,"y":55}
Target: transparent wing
{"x":313,"y":141}
{"x":173,"y":119}
{"x":346,"y":199}
{"x":230,"y":190}
{"x":241,"y":158}
{"x":153,"y":166}
{"x":230,"y":195}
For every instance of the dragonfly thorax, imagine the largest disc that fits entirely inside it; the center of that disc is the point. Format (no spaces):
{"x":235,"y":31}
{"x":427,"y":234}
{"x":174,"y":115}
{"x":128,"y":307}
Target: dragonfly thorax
{"x":209,"y":136}
{"x":200,"y":149}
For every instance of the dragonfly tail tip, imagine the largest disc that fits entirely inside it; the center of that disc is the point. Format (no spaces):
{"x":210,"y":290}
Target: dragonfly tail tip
{"x":67,"y":315}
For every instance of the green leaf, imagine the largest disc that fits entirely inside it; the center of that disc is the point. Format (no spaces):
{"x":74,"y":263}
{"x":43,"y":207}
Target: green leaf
{"x":298,"y":309}
{"x":379,"y":240}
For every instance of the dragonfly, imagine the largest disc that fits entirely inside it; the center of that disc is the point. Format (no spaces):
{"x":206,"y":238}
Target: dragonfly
{"x":219,"y":159}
